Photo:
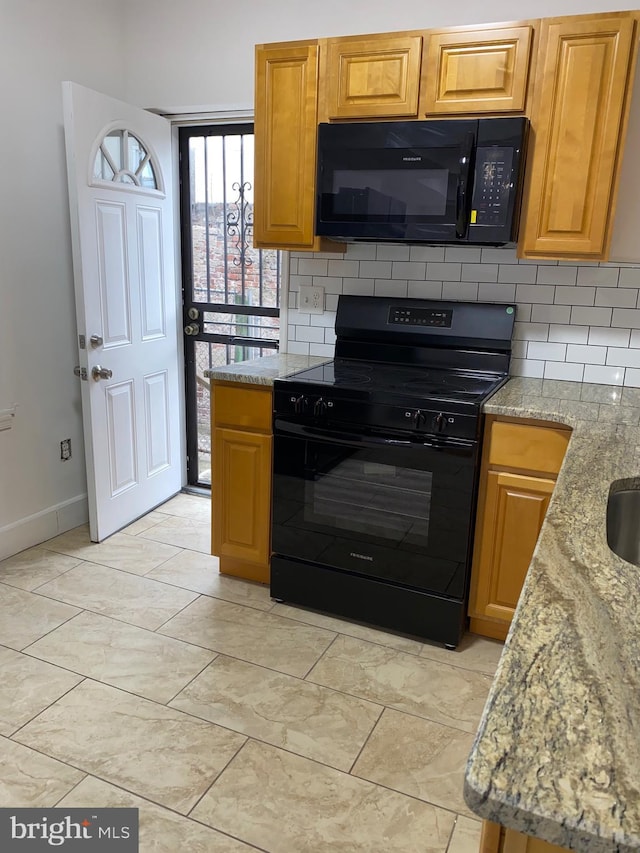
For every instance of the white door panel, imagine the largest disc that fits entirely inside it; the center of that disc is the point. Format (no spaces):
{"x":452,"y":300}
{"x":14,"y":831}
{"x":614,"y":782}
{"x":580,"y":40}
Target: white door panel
{"x":126,"y":295}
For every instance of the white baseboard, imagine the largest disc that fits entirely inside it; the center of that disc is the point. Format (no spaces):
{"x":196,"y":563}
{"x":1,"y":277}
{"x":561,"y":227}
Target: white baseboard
{"x":43,"y":525}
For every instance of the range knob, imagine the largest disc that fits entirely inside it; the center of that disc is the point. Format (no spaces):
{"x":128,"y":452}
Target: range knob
{"x":299,"y":404}
{"x":320,"y":407}
{"x":439,"y":423}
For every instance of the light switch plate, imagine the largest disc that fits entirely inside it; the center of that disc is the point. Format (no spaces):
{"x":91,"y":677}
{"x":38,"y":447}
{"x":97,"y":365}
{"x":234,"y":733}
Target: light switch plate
{"x":311,"y":300}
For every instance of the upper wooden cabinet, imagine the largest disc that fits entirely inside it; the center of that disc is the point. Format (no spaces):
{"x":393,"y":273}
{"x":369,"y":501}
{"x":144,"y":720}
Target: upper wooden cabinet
{"x":578,"y":122}
{"x":285,"y":145}
{"x":476,"y":71}
{"x":371,"y":77}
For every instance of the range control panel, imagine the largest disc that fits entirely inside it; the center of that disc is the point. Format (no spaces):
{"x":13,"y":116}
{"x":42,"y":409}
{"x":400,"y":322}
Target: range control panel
{"x":420,"y":317}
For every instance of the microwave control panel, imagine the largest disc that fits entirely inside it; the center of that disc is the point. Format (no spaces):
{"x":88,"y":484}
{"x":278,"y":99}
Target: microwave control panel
{"x":493,"y":186}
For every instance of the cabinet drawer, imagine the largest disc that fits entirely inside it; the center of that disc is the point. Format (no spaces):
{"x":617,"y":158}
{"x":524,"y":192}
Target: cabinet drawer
{"x":533,"y":448}
{"x":242,"y":406}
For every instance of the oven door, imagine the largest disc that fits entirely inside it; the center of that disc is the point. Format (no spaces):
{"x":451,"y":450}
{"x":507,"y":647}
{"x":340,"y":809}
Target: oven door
{"x":377,"y":506}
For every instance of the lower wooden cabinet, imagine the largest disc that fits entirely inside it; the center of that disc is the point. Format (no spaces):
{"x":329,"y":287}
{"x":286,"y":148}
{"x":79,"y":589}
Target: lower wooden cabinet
{"x":497,"y":839}
{"x":241,"y":479}
{"x":519,"y":469}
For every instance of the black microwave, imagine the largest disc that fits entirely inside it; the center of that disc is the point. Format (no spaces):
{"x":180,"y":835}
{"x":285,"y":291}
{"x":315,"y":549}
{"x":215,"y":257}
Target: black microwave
{"x":440,"y":181}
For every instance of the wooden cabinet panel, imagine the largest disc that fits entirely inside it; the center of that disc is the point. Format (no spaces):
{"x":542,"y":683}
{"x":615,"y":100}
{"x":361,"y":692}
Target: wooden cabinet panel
{"x":372,"y":77}
{"x":477,"y":71}
{"x":285,"y":145}
{"x":515,"y":507}
{"x":578,"y":115}
{"x":497,"y":839}
{"x":241,"y":492}
{"x":528,"y":447}
{"x":242,"y":407}
{"x":511,"y":509}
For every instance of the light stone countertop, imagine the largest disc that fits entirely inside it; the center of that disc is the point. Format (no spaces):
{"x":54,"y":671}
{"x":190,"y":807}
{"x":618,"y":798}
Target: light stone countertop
{"x":557,"y":752}
{"x":262,"y":371}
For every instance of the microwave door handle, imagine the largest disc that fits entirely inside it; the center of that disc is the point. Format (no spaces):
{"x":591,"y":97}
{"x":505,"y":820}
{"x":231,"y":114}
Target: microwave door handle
{"x":462,"y":196}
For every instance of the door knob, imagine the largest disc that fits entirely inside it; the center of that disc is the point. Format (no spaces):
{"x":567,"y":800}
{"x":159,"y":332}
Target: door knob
{"x":98,"y":373}
{"x":96,"y":341}
{"x":192,"y":329}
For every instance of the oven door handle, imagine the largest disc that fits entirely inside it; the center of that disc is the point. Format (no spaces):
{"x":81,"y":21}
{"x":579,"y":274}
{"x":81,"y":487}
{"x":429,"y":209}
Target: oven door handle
{"x":351,"y":438}
{"x":463,"y":192}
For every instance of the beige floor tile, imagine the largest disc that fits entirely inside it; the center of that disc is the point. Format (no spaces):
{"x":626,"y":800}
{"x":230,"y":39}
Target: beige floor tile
{"x":33,"y":567}
{"x":161,"y":831}
{"x":352,"y":629}
{"x":418,"y":685}
{"x":29,"y":779}
{"x":120,"y":551}
{"x":304,"y":718}
{"x":25,"y":616}
{"x":144,"y":523}
{"x":466,"y":836}
{"x":284,"y":803}
{"x":28,"y":686}
{"x":477,"y":653}
{"x":189,"y":506}
{"x":201,"y":573}
{"x":181,"y":532}
{"x":122,"y":655}
{"x":417,"y":757}
{"x":121,"y":595}
{"x":149,"y":749}
{"x":250,"y":634}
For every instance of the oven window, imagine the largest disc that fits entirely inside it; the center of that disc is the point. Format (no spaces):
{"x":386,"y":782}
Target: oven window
{"x":380,"y":500}
{"x":395,"y":513}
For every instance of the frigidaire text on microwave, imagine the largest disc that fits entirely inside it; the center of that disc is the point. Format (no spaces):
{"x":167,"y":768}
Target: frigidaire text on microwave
{"x":441,"y":181}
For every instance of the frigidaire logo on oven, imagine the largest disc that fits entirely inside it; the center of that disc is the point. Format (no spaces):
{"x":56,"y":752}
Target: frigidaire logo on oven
{"x":361,"y":556}
{"x":412,"y":159}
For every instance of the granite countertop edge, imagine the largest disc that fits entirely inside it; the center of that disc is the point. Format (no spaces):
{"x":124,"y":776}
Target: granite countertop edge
{"x":263,"y":371}
{"x":557,"y":751}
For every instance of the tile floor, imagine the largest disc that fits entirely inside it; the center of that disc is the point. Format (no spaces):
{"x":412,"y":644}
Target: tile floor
{"x":134,"y":674}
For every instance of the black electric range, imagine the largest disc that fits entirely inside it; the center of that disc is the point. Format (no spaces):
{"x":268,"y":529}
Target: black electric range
{"x":376,"y":458}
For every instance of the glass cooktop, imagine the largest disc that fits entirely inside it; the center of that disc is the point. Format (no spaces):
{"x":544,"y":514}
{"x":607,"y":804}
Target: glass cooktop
{"x":382,"y":379}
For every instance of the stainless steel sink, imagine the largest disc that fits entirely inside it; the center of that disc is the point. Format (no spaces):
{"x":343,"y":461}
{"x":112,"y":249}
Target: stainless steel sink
{"x":623,"y":523}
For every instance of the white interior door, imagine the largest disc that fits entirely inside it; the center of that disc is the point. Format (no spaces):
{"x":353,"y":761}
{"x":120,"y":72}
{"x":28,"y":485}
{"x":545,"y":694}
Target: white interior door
{"x":119,"y":172}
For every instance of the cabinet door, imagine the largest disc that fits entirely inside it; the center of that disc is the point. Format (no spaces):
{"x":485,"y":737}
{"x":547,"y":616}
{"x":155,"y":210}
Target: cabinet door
{"x":285,"y":146}
{"x":578,"y":117}
{"x":513,"y":512}
{"x":476,"y":71}
{"x":241,"y":496}
{"x":377,"y":77}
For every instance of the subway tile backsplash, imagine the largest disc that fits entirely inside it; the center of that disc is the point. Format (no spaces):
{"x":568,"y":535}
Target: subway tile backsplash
{"x":577,"y":322}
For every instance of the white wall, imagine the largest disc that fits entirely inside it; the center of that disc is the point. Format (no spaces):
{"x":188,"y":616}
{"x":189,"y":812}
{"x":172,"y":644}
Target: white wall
{"x":200,"y":52}
{"x":42,"y":43}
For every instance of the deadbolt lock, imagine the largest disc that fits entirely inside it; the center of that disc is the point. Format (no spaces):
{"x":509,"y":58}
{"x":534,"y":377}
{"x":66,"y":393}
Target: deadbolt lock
{"x":193,"y":313}
{"x":96,"y":341}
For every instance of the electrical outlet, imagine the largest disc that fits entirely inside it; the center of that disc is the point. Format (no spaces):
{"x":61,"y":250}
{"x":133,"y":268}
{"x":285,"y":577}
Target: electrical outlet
{"x":311,"y":300}
{"x":65,"y":449}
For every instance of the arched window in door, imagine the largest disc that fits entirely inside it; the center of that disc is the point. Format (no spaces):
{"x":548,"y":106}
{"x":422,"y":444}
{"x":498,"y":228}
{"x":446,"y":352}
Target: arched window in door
{"x":122,"y":158}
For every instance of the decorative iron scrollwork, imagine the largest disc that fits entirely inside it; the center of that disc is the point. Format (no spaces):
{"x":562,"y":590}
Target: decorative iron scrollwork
{"x":240,"y":225}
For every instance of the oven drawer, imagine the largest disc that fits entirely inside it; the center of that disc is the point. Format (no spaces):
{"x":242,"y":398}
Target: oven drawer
{"x":532,"y":448}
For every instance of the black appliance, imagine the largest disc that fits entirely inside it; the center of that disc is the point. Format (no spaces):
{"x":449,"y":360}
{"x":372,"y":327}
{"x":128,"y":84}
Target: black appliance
{"x":441,"y":181}
{"x":376,"y":458}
